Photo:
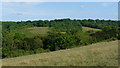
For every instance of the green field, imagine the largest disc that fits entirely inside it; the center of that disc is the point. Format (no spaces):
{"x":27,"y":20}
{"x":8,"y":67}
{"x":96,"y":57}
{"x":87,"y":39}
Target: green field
{"x":98,"y":54}
{"x":88,"y":28}
{"x":34,"y":31}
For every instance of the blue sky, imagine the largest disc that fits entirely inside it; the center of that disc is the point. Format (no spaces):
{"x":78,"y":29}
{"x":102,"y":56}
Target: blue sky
{"x":19,"y":11}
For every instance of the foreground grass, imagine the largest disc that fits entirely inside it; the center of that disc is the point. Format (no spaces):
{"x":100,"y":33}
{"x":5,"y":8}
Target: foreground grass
{"x":99,"y":54}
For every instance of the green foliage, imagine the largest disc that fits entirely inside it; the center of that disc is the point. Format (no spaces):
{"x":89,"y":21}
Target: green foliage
{"x":25,"y":37}
{"x":100,"y":24}
{"x":19,"y":36}
{"x":40,"y":50}
{"x":59,"y":41}
{"x":106,"y":34}
{"x":68,"y":26}
{"x":16,"y":44}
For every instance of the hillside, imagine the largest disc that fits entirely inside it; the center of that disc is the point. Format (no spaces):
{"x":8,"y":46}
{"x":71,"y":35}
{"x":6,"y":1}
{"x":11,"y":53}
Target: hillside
{"x":42,"y":31}
{"x":34,"y":31}
{"x":98,"y":54}
{"x":88,"y":28}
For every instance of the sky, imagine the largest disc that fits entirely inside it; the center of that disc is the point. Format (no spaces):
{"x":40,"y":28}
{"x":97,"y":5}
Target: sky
{"x":60,"y":0}
{"x":21,"y":11}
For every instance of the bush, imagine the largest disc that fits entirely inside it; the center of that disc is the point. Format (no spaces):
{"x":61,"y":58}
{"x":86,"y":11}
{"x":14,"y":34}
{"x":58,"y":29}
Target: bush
{"x":59,"y":41}
{"x":40,"y":50}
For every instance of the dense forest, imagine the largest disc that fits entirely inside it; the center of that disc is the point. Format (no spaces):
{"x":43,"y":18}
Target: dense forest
{"x":63,"y":34}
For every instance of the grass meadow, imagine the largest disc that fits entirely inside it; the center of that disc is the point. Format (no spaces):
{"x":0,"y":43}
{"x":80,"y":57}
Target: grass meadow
{"x":34,"y":31}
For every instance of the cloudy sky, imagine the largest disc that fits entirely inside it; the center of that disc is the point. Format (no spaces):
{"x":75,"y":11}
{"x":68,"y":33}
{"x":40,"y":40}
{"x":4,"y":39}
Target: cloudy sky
{"x":19,"y":11}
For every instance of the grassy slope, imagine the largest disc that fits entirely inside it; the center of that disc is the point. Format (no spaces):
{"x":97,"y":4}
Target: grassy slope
{"x":103,"y":53}
{"x":88,"y":28}
{"x":34,"y":31}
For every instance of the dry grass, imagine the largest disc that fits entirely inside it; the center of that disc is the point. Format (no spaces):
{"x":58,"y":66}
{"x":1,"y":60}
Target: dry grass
{"x":99,"y":54}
